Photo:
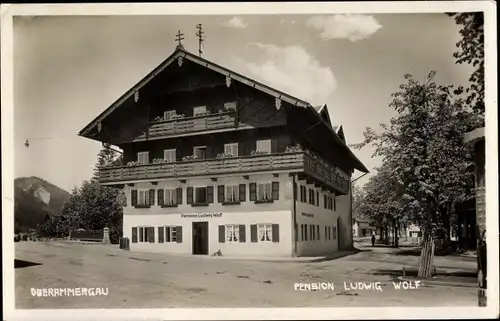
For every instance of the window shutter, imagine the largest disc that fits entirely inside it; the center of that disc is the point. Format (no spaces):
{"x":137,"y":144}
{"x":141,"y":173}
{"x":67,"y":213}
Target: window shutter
{"x":242,"y":229}
{"x":210,"y":194}
{"x":178,"y":193}
{"x":151,"y":234}
{"x":189,"y":195}
{"x":243,"y":192}
{"x":220,"y":193}
{"x":134,"y":197}
{"x":141,"y":234}
{"x":253,"y":192}
{"x":253,"y":233}
{"x":167,"y":232}
{"x":276,"y":233}
{"x":160,"y":197}
{"x":222,"y":233}
{"x":161,"y":231}
{"x":151,"y":197}
{"x":134,"y":234}
{"x":178,"y":230}
{"x":274,"y":146}
{"x":276,"y":190}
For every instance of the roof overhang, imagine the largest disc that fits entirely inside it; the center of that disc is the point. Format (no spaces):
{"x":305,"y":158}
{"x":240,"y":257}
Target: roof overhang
{"x":179,"y":55}
{"x":474,"y":136}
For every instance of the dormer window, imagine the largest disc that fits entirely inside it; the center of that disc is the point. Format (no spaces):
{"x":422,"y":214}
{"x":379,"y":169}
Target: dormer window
{"x":169,"y":115}
{"x":200,"y":110}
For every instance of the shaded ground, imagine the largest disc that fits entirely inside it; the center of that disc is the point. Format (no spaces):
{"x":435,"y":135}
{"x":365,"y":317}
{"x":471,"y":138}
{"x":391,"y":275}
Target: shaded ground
{"x":139,"y":280}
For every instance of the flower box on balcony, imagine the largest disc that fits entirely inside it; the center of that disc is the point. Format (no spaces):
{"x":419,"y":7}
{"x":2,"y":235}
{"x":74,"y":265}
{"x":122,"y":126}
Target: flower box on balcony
{"x":199,"y":204}
{"x":231,"y":203}
{"x":142,"y":206}
{"x":264,"y":201}
{"x":169,"y":205}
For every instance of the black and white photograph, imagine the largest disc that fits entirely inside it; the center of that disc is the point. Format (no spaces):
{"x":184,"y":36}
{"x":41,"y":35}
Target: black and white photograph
{"x":266,"y":156}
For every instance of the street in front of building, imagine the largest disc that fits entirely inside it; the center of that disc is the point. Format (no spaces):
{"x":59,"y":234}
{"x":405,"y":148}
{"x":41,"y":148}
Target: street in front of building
{"x":58,"y":275}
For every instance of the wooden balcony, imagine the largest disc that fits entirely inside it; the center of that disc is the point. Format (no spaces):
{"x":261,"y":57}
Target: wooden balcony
{"x":294,"y":162}
{"x":179,"y":126}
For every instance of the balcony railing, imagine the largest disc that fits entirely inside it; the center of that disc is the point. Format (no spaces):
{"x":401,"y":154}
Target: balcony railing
{"x":164,"y":128}
{"x":293,"y":162}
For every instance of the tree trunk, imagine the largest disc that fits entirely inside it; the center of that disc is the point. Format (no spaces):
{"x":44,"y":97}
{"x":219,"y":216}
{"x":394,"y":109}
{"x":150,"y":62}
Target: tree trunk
{"x":396,"y":235}
{"x":425,"y":269}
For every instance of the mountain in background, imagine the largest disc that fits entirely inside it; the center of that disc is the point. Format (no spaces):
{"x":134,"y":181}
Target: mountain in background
{"x":36,"y":199}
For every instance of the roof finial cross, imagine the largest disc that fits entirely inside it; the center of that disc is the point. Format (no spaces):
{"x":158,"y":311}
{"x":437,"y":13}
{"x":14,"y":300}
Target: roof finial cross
{"x":200,"y":34}
{"x":179,"y":37}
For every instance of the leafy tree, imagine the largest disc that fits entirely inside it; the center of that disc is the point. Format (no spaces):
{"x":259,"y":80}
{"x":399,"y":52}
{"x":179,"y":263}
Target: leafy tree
{"x":471,"y":51}
{"x":105,"y":157}
{"x":91,"y":207}
{"x":423,"y":149}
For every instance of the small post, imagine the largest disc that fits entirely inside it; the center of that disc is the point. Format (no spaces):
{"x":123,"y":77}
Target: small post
{"x":105,"y":237}
{"x":200,"y":34}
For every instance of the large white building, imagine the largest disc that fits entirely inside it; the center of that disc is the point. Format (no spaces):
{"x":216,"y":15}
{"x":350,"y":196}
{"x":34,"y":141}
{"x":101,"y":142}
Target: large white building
{"x":215,"y":161}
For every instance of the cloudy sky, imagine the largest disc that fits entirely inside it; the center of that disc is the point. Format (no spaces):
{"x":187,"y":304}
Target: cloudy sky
{"x":69,"y":69}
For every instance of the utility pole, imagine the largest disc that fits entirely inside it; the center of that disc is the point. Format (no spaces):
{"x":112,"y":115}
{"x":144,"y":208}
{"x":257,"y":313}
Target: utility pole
{"x":200,"y":34}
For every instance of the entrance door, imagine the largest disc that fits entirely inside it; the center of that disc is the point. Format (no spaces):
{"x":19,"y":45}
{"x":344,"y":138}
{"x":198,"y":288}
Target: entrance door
{"x":200,"y":238}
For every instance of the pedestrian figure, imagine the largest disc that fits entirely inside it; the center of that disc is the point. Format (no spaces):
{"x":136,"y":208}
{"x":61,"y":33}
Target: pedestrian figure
{"x":373,"y":240}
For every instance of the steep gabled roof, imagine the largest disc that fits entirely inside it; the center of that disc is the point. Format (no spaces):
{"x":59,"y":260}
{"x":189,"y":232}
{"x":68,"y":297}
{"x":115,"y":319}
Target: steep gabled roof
{"x":181,"y":53}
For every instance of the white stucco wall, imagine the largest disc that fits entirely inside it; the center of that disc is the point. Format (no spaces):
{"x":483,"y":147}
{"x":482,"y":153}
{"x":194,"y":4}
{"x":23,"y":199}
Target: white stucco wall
{"x":345,"y":221}
{"x":322,"y":217}
{"x":246,"y":213}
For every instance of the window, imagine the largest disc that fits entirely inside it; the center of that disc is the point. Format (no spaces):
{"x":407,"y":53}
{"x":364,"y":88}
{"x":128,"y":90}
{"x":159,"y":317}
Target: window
{"x":170,"y":234}
{"x":230,"y":105}
{"x":170,"y":197}
{"x":199,"y":110}
{"x":264,"y":191}
{"x":232,"y":193}
{"x":200,"y":152}
{"x":303,"y":196}
{"x":334,"y":203}
{"x":311,"y":227}
{"x":264,"y":146}
{"x":302,"y":232}
{"x":317,"y":198}
{"x":329,"y":232}
{"x":265,"y":232}
{"x":311,"y":196}
{"x":317,"y":233}
{"x":326,"y":233}
{"x":143,"y":157}
{"x":169,"y":155}
{"x":143,"y":197}
{"x":145,"y":234}
{"x":231,"y":149}
{"x":200,"y":195}
{"x":334,"y":232}
{"x":305,"y":231}
{"x":232,"y":233}
{"x":169,"y":114}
